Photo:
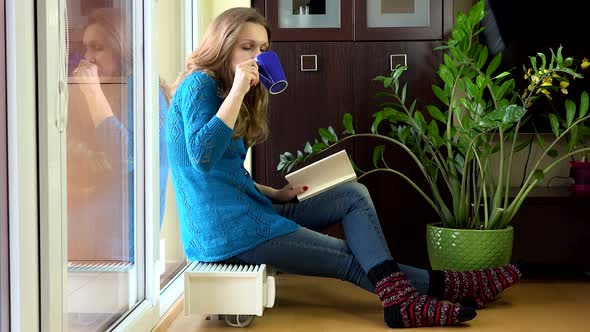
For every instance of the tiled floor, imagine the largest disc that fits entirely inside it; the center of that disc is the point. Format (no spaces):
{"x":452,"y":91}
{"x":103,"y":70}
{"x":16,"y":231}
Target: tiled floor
{"x":319,"y":304}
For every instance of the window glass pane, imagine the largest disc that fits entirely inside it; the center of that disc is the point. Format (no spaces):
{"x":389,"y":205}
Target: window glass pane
{"x":4,"y":287}
{"x":170,"y":63}
{"x":102,"y":266}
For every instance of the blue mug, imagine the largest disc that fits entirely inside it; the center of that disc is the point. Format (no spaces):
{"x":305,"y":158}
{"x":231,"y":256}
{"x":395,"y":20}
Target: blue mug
{"x":74,"y":59}
{"x":270,"y":72}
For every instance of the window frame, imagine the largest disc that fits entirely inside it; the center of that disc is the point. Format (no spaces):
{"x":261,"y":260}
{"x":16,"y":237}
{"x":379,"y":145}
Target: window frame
{"x":22,"y":165}
{"x":52,"y":178}
{"x":4,"y":268}
{"x":38,"y":228}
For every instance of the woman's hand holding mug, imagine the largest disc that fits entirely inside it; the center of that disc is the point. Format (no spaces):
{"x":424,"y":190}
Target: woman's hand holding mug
{"x":246,"y":76}
{"x":87,"y":75}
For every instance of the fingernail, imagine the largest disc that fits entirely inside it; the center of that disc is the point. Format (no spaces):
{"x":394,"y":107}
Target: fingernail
{"x":304,"y":188}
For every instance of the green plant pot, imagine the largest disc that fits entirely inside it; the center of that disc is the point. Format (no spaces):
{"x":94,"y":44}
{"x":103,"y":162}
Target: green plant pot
{"x":468,"y":249}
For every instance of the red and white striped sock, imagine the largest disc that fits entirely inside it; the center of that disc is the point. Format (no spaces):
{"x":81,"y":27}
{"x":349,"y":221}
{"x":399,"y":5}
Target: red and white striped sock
{"x":405,"y":307}
{"x":474,"y":288}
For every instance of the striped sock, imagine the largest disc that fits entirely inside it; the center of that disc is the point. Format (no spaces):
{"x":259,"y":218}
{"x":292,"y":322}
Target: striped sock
{"x":405,"y":307}
{"x":474,"y":288}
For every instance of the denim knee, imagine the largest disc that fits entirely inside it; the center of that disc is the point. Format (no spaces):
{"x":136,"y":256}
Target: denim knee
{"x":354,"y":190}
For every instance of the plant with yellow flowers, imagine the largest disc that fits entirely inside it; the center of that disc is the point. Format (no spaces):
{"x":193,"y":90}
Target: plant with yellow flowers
{"x":467,"y":147}
{"x":576,"y":133}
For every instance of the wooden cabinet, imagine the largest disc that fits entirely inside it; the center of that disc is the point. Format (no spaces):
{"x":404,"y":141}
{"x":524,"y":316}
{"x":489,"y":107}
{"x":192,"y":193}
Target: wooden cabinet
{"x":304,"y":20}
{"x":334,"y":20}
{"x":401,"y":20}
{"x":330,"y":71}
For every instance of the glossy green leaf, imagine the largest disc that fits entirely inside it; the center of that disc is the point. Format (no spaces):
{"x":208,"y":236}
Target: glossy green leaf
{"x":347,"y":122}
{"x":583,"y":104}
{"x":377,"y":154}
{"x":554,"y":124}
{"x":319,"y":147}
{"x":436,"y":113}
{"x":308,"y":148}
{"x":403,"y":132}
{"x":440,"y":94}
{"x":570,"y":108}
{"x":539,"y":175}
{"x":494,"y":64}
{"x":378,"y":119}
{"x":333,"y":132}
{"x":326,"y":135}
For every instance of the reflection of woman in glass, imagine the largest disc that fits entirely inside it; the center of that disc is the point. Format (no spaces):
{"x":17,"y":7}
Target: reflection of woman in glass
{"x":100,"y":143}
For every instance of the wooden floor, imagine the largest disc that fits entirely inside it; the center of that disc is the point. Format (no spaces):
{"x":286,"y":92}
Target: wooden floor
{"x":319,"y":304}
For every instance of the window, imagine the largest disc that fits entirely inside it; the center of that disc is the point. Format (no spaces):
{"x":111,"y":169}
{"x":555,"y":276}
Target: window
{"x":105,"y":224}
{"x":99,"y":142}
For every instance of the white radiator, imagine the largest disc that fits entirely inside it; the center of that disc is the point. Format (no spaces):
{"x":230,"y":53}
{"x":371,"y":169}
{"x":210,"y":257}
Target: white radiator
{"x":227,"y":289}
{"x":94,"y":279}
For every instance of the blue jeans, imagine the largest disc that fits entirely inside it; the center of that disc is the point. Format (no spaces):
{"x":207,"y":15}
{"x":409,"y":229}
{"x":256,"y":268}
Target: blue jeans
{"x":308,"y":252}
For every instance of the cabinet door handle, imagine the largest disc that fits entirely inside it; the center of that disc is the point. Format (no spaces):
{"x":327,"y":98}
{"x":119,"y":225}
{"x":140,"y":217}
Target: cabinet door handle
{"x":397,"y":59}
{"x":309,"y":62}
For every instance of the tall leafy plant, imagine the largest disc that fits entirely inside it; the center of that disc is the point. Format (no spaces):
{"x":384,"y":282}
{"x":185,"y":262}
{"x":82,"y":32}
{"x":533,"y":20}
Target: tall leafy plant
{"x":457,"y":147}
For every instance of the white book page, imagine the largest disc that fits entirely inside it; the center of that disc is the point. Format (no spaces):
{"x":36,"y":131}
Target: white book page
{"x":323,"y":174}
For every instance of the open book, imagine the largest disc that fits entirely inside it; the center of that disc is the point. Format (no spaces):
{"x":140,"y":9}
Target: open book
{"x":323,"y":174}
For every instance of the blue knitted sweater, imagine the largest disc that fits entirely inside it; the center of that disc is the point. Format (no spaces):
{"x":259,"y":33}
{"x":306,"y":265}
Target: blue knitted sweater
{"x":221,"y":212}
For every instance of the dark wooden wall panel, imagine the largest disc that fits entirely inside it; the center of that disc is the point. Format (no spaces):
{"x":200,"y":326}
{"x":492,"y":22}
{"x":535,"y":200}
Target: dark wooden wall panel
{"x":403,"y":213}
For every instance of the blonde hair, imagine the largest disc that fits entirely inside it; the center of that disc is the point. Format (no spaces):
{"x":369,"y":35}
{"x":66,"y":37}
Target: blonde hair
{"x":213,"y":56}
{"x":112,"y":21}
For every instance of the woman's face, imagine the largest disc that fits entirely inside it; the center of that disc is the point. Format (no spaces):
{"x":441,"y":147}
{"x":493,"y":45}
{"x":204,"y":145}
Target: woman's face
{"x":252,"y":41}
{"x":101,"y":51}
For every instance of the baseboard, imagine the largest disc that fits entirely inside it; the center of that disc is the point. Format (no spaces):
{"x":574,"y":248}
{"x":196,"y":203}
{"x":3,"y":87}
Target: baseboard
{"x":170,"y":316}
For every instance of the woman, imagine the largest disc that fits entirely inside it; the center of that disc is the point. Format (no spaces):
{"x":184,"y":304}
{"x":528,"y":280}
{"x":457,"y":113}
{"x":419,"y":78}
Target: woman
{"x":218,"y":110}
{"x":100,"y":142}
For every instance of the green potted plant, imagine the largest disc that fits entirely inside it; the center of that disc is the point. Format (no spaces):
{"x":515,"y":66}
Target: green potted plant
{"x":458,"y":147}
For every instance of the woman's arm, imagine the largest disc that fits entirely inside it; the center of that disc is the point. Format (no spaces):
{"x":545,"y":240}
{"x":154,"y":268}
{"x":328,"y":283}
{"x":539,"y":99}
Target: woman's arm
{"x":87,"y":76}
{"x":284,"y":194}
{"x":208,"y":127}
{"x":267,"y":191}
{"x":246,"y":76}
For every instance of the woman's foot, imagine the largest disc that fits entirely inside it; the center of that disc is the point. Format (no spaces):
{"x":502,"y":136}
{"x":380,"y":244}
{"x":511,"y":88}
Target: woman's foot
{"x":405,"y":307}
{"x":473,"y":288}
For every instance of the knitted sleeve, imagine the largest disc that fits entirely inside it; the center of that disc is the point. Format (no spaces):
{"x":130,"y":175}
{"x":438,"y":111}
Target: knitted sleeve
{"x":206,"y":136}
{"x":117,"y":143}
{"x":115,"y":137}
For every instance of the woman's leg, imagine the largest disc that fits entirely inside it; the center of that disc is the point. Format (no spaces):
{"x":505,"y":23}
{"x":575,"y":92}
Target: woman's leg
{"x":308,"y":252}
{"x":351,"y":204}
{"x":363,"y":258}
